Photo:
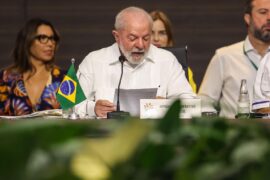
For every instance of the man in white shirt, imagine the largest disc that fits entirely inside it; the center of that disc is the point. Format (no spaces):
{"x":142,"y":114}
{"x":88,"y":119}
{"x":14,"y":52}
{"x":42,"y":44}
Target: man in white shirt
{"x":146,"y":67}
{"x":221,"y":83}
{"x":261,"y":94}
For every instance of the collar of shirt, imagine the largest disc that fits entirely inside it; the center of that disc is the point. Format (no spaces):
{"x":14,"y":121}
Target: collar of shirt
{"x":248,"y":46}
{"x":251,"y":54}
{"x":116,"y":53}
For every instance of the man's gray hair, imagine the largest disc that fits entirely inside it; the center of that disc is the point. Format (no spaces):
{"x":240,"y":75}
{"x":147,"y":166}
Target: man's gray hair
{"x":120,"y":17}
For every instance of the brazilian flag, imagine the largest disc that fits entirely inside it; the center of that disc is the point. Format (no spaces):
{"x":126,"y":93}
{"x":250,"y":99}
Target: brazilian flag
{"x":70,"y":92}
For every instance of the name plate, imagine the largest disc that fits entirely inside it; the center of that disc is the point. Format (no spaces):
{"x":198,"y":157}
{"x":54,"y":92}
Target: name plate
{"x":154,"y":108}
{"x":190,"y":108}
{"x":259,"y":104}
{"x":157,"y":108}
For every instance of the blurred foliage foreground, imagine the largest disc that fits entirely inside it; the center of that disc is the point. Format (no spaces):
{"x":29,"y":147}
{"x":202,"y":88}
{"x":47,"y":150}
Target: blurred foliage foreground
{"x":135,"y":149}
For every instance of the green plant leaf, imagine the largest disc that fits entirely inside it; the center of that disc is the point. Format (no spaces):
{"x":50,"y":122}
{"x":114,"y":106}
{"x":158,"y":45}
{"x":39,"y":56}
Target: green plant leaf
{"x":170,"y":122}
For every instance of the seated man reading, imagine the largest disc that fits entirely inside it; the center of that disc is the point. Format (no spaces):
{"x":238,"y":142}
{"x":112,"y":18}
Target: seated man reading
{"x":146,"y":67}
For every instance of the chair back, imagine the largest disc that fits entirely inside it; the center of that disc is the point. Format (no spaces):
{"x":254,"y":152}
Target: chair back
{"x":181,"y":54}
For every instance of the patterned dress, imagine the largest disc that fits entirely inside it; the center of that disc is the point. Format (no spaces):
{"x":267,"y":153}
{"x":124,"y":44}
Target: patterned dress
{"x":14,"y":100}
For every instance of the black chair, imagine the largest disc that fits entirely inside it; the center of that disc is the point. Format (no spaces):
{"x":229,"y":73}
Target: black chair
{"x":181,"y":54}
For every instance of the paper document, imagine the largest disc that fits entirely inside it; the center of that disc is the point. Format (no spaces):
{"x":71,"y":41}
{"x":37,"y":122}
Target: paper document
{"x":130,"y":99}
{"x":45,"y":113}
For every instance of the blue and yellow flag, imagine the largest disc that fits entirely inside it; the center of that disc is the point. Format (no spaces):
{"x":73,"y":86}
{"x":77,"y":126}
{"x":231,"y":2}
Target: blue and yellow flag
{"x":70,"y":92}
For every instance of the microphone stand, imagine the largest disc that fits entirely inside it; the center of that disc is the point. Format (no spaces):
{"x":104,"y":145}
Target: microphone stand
{"x":118,"y":114}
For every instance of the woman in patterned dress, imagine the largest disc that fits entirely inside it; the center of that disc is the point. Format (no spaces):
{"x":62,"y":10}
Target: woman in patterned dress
{"x":31,"y":82}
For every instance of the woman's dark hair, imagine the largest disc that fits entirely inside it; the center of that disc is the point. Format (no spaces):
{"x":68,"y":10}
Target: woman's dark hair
{"x":159,"y":15}
{"x":24,"y":40}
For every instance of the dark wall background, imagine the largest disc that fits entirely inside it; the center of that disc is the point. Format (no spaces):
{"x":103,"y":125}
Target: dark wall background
{"x":86,"y":25}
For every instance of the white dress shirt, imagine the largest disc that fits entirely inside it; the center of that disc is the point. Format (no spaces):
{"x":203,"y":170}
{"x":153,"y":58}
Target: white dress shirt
{"x":99,"y":75}
{"x":221,"y":83}
{"x":262,"y":85}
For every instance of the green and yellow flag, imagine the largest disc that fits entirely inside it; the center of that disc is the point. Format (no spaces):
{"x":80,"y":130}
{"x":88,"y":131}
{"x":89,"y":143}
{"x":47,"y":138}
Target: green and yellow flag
{"x":70,"y":92}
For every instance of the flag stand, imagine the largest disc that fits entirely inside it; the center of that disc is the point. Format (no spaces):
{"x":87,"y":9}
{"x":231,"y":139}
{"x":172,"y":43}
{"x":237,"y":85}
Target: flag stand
{"x":70,"y":92}
{"x":73,"y":115}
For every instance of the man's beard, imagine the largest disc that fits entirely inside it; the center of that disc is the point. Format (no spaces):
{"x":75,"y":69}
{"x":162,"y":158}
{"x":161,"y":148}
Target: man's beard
{"x":128,"y":55}
{"x":261,"y":34}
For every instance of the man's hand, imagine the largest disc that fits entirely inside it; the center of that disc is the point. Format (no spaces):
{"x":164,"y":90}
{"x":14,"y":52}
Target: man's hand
{"x":103,"y":107}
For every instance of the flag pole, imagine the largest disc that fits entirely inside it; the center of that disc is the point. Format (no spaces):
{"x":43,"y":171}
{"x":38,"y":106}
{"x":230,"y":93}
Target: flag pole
{"x":73,"y":115}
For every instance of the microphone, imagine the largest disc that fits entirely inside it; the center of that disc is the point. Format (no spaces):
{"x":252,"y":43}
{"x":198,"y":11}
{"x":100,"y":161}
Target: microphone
{"x":122,"y":59}
{"x":118,"y":114}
